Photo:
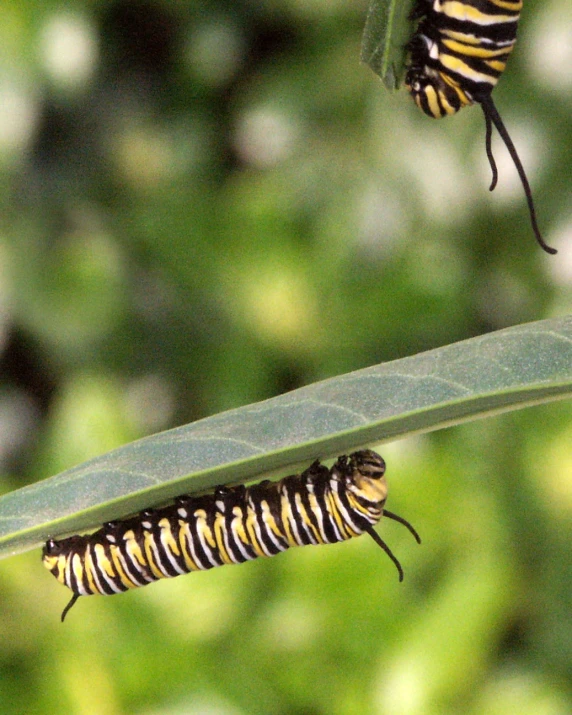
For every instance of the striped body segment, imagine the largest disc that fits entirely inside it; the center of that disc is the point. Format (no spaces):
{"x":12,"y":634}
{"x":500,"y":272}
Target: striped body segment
{"x":459,"y":51}
{"x":230,"y":526}
{"x":457,"y":54}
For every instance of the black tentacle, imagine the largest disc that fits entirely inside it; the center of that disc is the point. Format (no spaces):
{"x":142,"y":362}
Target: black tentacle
{"x":70,"y":604}
{"x":489,"y":150}
{"x":380,"y":542}
{"x":492,"y":115}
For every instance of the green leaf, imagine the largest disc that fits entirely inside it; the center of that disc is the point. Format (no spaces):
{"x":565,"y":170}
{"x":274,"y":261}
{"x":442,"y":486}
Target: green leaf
{"x":512,"y":368}
{"x":387,"y":31}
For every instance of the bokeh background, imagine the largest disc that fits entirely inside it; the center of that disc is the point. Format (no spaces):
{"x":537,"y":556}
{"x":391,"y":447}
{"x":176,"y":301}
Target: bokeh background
{"x":208,"y":203}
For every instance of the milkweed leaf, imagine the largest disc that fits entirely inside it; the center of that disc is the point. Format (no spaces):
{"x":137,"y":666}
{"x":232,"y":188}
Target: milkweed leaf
{"x":501,"y":371}
{"x":387,"y":31}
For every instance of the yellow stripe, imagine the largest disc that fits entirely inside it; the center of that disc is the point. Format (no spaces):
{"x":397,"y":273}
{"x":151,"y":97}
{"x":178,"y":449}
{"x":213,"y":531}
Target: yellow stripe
{"x":464,"y":12}
{"x":481,"y":51}
{"x":316,"y":509}
{"x":78,"y":570}
{"x":476,"y":40}
{"x":462,"y":68}
{"x":148,"y":543}
{"x":124,"y":578}
{"x":350,"y":532}
{"x":332,"y":504}
{"x":89,"y":567}
{"x":461,"y":94}
{"x":68,"y":572}
{"x":306,"y":517}
{"x":460,"y":37}
{"x":50,"y":562}
{"x":203,"y":528}
{"x":61,"y":570}
{"x":238,"y":525}
{"x":285,"y":513}
{"x":269,"y":519}
{"x":102,"y":561}
{"x":184,"y":537}
{"x":167,"y":539}
{"x":432,"y":101}
{"x":447,"y":107}
{"x":356,"y":506}
{"x":219,"y":529}
{"x":514,"y":5}
{"x":250,"y":521}
{"x":133,"y":549}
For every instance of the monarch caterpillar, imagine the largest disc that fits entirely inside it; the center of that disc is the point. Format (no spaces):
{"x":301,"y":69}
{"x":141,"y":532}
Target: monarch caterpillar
{"x":456,"y":56}
{"x":230,"y":526}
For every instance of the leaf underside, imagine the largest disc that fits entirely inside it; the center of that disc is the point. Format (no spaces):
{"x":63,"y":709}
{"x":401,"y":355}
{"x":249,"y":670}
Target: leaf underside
{"x":501,"y":371}
{"x":387,"y":31}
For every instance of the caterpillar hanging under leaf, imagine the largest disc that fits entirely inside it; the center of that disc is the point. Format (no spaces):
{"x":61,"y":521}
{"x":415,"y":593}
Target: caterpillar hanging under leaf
{"x":456,"y":56}
{"x":230,"y":526}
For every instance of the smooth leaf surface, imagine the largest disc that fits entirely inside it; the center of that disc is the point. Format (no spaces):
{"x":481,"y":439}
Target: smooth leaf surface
{"x":500,"y":371}
{"x":387,"y":31}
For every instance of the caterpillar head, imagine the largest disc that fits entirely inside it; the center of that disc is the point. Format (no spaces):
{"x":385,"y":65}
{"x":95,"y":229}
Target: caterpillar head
{"x":54,"y":559}
{"x":51,"y":551}
{"x":55,"y":555}
{"x":365,"y":476}
{"x":432,"y":93}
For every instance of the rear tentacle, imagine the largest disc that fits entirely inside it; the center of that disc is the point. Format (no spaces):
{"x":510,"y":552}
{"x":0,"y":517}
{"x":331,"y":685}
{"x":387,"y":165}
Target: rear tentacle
{"x":379,"y":541}
{"x":491,"y":114}
{"x":70,"y":604}
{"x":489,"y":150}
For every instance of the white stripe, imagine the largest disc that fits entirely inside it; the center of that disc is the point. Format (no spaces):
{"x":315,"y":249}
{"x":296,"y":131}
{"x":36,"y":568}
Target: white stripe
{"x":79,"y":587}
{"x":239,"y":518}
{"x":347,"y":516}
{"x":108,"y":579}
{"x":130,"y":545}
{"x":126,"y":568}
{"x":172,"y":558}
{"x":158,"y":562}
{"x":305,"y":526}
{"x":201,"y":528}
{"x":328,"y":494}
{"x":257,"y":529}
{"x":271,"y":535}
{"x":317,"y":511}
{"x":90,"y":554}
{"x":191,"y":546}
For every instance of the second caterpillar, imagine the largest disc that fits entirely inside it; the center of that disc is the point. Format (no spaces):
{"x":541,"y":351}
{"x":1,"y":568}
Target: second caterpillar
{"x":230,"y":526}
{"x":457,"y":54}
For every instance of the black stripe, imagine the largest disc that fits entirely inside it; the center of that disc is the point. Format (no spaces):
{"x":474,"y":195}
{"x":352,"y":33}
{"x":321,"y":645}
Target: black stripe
{"x":201,"y":555}
{"x":98,"y":569}
{"x":264,"y":492}
{"x":330,"y":530}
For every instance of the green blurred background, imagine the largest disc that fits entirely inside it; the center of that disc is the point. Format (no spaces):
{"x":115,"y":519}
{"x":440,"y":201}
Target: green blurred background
{"x":205,"y":204}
